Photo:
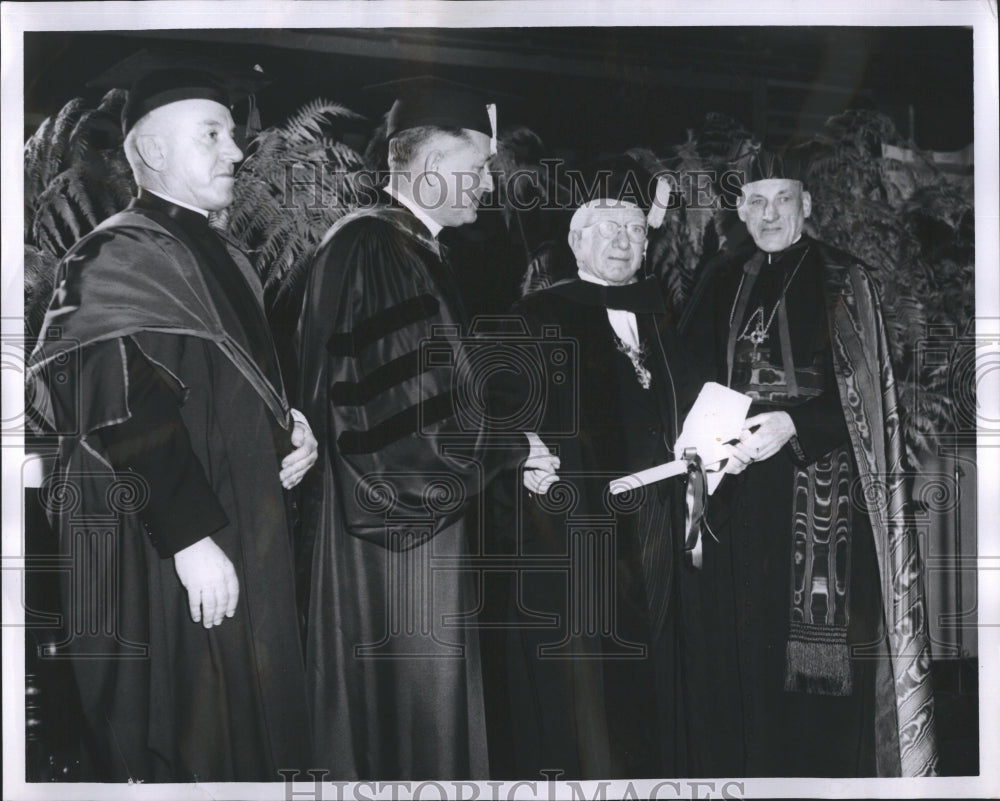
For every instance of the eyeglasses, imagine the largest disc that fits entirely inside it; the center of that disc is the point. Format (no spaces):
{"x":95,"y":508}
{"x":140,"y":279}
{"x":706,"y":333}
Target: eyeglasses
{"x":608,"y":229}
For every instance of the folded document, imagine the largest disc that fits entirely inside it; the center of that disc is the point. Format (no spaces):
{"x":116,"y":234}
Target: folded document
{"x":715,"y":419}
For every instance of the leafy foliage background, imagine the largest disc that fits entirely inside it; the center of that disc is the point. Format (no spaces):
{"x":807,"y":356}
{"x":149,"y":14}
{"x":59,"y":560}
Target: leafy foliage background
{"x":910,"y":221}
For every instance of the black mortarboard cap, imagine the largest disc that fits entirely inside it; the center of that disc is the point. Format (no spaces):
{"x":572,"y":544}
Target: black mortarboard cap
{"x":429,"y":100}
{"x":156,"y":78}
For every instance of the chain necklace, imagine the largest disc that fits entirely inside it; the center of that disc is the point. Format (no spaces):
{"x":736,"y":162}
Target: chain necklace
{"x":759,"y":333}
{"x":636,"y":355}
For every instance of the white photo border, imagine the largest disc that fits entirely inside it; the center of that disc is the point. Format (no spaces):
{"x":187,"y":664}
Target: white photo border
{"x":980,"y":15}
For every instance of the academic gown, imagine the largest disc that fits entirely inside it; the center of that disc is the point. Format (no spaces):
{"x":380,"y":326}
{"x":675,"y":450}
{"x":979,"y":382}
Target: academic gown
{"x":592,"y":649}
{"x":153,"y":298}
{"x":393,"y":657}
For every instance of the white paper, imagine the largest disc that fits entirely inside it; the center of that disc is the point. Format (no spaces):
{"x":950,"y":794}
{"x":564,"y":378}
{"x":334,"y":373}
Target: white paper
{"x":715,"y":419}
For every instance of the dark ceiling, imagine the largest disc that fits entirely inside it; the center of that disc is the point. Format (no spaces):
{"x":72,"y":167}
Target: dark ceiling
{"x":582,"y":89}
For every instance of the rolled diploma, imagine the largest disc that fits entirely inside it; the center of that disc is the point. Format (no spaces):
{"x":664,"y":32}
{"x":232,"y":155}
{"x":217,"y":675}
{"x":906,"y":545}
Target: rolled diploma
{"x":715,"y":419}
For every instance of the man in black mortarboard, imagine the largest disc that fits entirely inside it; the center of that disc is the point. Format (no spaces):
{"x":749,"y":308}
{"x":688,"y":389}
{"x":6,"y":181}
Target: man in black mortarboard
{"x":178,"y":437}
{"x":393,"y":661}
{"x":808,"y":650}
{"x":599,"y":699}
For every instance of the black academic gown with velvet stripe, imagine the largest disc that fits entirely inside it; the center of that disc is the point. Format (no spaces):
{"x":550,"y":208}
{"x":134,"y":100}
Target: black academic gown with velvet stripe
{"x":603,"y":705}
{"x":168,"y":700}
{"x":394,"y":672}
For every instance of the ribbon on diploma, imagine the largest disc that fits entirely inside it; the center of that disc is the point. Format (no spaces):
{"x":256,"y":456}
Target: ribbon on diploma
{"x":716,"y":418}
{"x":697,"y":484}
{"x":697,"y":493}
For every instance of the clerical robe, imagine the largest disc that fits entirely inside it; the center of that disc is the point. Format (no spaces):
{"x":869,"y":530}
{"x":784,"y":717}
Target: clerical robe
{"x":156,"y":367}
{"x":808,"y":652}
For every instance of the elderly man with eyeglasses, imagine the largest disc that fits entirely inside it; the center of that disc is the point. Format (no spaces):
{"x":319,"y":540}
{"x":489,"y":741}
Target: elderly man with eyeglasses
{"x":592,"y":692}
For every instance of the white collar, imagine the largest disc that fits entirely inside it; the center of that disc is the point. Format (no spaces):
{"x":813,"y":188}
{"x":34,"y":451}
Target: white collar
{"x":771,"y":255}
{"x":175,"y":201}
{"x":622,"y":322}
{"x":584,"y":276}
{"x":432,"y":226}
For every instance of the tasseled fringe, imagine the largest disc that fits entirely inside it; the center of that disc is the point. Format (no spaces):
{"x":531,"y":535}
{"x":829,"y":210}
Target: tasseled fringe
{"x":821,"y":668}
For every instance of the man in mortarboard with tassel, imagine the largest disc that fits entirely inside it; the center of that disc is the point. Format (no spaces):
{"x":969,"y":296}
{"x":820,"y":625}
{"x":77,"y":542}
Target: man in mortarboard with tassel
{"x":392,"y":657}
{"x":176,"y":444}
{"x":807,"y":642}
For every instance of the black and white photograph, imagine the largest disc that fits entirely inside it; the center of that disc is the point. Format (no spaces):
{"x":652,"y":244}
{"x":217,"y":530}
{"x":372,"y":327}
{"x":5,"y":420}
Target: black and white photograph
{"x":500,"y":400}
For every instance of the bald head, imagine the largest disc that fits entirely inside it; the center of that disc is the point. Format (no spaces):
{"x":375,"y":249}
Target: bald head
{"x":185,"y":150}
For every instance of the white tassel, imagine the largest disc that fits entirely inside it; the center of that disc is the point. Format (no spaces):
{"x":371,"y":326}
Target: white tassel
{"x":660,"y":202}
{"x":491,"y":112}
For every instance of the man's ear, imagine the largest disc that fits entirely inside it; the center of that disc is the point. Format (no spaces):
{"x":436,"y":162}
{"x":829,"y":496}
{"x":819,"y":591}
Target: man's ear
{"x":432,"y":158}
{"x":807,"y":204}
{"x":151,"y":151}
{"x":574,"y":239}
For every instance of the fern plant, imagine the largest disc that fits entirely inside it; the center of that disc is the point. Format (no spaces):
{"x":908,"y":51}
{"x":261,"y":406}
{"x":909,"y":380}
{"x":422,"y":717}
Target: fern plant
{"x":697,"y":226}
{"x":75,"y":176}
{"x":294,"y":183}
{"x":912,"y":224}
{"x":75,"y":173}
